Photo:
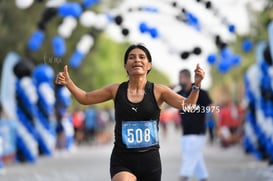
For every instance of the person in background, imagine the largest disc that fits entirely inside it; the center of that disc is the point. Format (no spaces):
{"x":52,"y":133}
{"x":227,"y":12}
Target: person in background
{"x":210,"y":126}
{"x":78,"y":123}
{"x":193,"y":122}
{"x":90,"y":124}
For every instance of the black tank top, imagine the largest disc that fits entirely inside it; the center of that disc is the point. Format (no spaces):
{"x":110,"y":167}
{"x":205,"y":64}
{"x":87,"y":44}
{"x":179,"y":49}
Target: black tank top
{"x":136,"y":126}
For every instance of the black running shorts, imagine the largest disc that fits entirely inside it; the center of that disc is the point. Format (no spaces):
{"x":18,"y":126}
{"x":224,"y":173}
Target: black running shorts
{"x":146,"y":166}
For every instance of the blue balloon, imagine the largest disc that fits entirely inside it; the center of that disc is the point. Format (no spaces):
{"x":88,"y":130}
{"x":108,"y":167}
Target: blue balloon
{"x":36,"y":40}
{"x":192,"y":20}
{"x":212,"y":58}
{"x":224,"y":66}
{"x":58,"y":45}
{"x":76,"y":59}
{"x":231,"y":28}
{"x":247,"y":45}
{"x":153,"y":32}
{"x":150,"y":9}
{"x":89,"y":3}
{"x":236,"y":60}
{"x":143,"y":27}
{"x":70,"y":9}
{"x":226,"y":53}
{"x":43,"y":73}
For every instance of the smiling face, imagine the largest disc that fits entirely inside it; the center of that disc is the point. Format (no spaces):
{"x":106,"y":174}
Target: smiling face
{"x":137,"y":62}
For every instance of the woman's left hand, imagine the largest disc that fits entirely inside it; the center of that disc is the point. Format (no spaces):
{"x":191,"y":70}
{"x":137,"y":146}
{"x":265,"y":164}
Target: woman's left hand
{"x":199,"y":75}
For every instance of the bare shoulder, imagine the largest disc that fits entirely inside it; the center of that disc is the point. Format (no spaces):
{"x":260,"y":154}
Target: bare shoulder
{"x":160,"y":88}
{"x":112,"y":88}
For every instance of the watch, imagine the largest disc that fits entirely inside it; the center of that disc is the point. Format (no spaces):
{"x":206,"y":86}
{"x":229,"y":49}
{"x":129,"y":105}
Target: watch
{"x":195,"y":88}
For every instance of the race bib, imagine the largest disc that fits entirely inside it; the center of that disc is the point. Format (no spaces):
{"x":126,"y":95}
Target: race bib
{"x":139,"y":134}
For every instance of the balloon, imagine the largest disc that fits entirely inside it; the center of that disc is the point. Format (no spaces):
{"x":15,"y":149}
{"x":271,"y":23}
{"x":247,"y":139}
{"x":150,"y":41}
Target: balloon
{"x":23,"y":68}
{"x":29,"y":89}
{"x":68,"y":25}
{"x":47,"y":15}
{"x":36,"y":40}
{"x":153,"y":32}
{"x":192,"y":20}
{"x":58,"y":45}
{"x":125,"y":31}
{"x":212,"y":58}
{"x":88,"y":19}
{"x":236,"y":60}
{"x":47,"y":92}
{"x":226,"y":53}
{"x":89,"y":3}
{"x":118,"y":19}
{"x":150,"y":9}
{"x":247,"y":45}
{"x":224,"y":66}
{"x":70,"y":9}
{"x":76,"y":59}
{"x":197,"y":50}
{"x":23,"y":4}
{"x":231,"y":28}
{"x":85,"y":44}
{"x":143,"y":27}
{"x":184,"y":55}
{"x":102,"y":21}
{"x":208,"y":5}
{"x":43,"y":73}
{"x":54,"y":3}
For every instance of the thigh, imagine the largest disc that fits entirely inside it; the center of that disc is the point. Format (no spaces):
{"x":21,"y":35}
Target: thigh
{"x":124,"y":176}
{"x":149,"y":166}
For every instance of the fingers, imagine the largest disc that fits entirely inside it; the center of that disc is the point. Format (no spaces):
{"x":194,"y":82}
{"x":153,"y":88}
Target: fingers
{"x":66,"y":70}
{"x":62,"y":77}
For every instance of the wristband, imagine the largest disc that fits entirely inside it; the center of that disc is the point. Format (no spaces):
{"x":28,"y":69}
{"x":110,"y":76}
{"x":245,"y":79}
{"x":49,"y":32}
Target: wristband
{"x":195,"y":88}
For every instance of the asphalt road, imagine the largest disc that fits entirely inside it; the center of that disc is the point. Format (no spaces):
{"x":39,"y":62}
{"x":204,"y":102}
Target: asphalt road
{"x":92,"y":163}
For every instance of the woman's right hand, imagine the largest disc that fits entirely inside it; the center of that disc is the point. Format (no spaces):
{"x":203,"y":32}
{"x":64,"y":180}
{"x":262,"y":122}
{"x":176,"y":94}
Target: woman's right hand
{"x":63,"y":77}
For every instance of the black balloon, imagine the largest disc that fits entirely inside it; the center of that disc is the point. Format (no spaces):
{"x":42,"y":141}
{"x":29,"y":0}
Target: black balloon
{"x":23,"y":68}
{"x":208,"y":5}
{"x":47,"y":15}
{"x":118,"y":19}
{"x":174,"y":4}
{"x":267,"y":55}
{"x":197,"y":50}
{"x":125,"y":31}
{"x":185,"y":55}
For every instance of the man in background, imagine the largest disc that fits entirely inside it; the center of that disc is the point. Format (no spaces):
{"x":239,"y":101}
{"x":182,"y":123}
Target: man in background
{"x":194,"y":129}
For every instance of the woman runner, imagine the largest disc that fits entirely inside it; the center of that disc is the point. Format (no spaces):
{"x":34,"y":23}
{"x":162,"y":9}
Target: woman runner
{"x":135,"y":155}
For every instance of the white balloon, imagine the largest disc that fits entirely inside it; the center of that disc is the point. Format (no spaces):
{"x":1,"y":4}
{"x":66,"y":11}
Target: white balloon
{"x":67,"y":27}
{"x":47,"y":92}
{"x":54,"y":3}
{"x":88,"y":18}
{"x":23,"y":4}
{"x":29,"y":88}
{"x":85,"y":44}
{"x":101,"y":21}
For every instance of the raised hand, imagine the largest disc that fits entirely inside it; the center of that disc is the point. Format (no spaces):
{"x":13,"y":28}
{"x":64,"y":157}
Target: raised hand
{"x":63,"y":77}
{"x":199,"y":75}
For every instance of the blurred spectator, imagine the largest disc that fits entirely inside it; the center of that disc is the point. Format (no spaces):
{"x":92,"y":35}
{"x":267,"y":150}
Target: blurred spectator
{"x":7,"y":139}
{"x":210,"y":126}
{"x":61,"y":140}
{"x":78,"y":118}
{"x":167,"y":115}
{"x":231,"y":117}
{"x":90,"y":124}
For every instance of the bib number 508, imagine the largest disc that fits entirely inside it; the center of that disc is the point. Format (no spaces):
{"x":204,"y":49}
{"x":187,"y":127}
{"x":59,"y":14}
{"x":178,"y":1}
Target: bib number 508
{"x":138,"y":135}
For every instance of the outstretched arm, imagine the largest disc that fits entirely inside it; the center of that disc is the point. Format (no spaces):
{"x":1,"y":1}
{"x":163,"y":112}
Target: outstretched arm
{"x":83,"y":97}
{"x":175,"y":100}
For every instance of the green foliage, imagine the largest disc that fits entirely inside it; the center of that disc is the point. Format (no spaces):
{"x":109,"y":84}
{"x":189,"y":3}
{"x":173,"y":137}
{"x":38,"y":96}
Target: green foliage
{"x":103,"y":64}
